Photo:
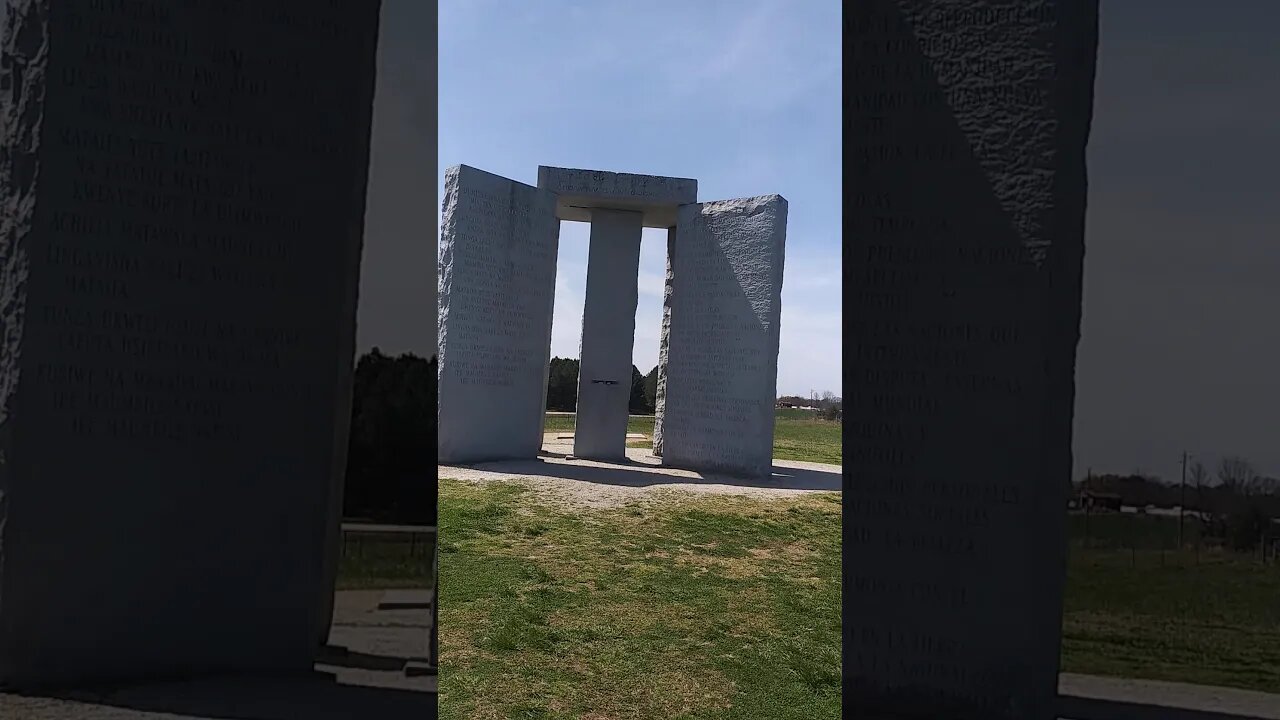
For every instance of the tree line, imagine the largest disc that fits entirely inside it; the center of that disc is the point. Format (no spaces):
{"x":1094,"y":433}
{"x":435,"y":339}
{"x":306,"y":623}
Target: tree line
{"x":1236,"y":502}
{"x":826,"y":400}
{"x":829,"y":406}
{"x":391,"y":455}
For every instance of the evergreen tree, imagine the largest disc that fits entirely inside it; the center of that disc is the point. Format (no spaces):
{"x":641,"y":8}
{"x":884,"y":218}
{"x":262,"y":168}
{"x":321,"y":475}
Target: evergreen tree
{"x":651,"y":388}
{"x":638,"y":404}
{"x":562,"y":385}
{"x":391,"y":458}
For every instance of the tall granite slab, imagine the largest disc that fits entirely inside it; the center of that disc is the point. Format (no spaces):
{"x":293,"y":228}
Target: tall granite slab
{"x":183,"y":189}
{"x":722,"y":351}
{"x":608,"y":335}
{"x":498,"y":243}
{"x":966,"y":199}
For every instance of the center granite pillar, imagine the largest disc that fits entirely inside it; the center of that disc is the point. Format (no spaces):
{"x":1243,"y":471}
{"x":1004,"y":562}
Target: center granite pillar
{"x":608,"y":333}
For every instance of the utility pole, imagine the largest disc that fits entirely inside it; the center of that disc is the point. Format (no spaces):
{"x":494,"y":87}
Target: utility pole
{"x":1086,"y":500}
{"x":1182,"y":503}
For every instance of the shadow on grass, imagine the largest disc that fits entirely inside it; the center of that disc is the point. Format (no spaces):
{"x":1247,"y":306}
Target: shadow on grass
{"x":1079,"y":708}
{"x":316,"y":696}
{"x":630,"y":473}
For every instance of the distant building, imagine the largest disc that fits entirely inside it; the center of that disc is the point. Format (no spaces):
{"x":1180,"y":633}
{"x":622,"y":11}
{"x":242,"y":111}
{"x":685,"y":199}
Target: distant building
{"x":788,"y":405}
{"x":1093,"y":500}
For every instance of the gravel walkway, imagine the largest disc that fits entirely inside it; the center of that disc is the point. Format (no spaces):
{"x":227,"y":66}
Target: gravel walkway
{"x":586,"y":483}
{"x":1089,"y":697}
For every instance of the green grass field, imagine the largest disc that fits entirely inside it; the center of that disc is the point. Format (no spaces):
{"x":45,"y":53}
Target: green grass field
{"x":384,"y":565}
{"x":588,"y":608}
{"x":1136,"y":606}
{"x":798,"y":435}
{"x":708,"y":608}
{"x":559,"y":592}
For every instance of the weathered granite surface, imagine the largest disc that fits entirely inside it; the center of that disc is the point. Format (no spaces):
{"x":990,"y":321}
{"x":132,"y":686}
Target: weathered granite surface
{"x":664,"y":344}
{"x":966,"y":161}
{"x":655,"y":197}
{"x":722,"y":349}
{"x":183,"y":195}
{"x":608,"y":335}
{"x":497,"y":271}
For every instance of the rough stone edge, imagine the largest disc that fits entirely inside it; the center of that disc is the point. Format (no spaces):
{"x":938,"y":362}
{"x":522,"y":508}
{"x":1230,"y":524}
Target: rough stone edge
{"x":664,"y":336}
{"x":745,"y":204}
{"x":24,"y":58}
{"x":444,"y":280}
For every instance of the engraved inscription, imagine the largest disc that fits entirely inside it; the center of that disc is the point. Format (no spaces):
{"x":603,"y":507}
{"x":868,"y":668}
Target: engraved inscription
{"x":171,"y":183}
{"x":962,"y":143}
{"x":722,"y":358}
{"x":497,"y":280}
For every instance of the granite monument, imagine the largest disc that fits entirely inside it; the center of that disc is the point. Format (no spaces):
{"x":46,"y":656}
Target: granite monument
{"x":718,"y":362}
{"x":965,"y":206}
{"x":184,"y":190}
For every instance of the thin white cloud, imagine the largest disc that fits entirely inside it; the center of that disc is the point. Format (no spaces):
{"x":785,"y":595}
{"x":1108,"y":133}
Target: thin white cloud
{"x":769,"y":59}
{"x":740,"y":50}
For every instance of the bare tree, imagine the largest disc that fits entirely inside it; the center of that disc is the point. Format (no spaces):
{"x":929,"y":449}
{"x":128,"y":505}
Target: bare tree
{"x":1236,"y":474}
{"x":1263,"y":485}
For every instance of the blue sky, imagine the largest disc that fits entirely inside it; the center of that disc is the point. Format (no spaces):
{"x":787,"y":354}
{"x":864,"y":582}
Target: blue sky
{"x":744,"y":96}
